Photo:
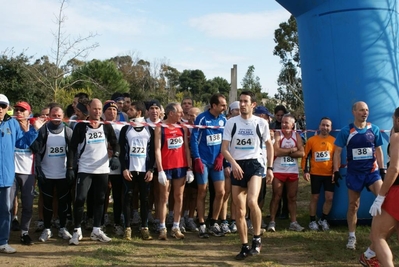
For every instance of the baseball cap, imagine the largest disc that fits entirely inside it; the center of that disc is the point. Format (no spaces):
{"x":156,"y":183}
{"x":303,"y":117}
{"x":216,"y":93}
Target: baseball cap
{"x":153,"y":102}
{"x":4,"y":100}
{"x":235,"y":105}
{"x":24,"y":105}
{"x":262,"y":110}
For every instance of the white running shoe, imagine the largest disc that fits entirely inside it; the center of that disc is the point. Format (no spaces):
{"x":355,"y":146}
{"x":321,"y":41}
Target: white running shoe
{"x":7,"y":249}
{"x":294,"y":226}
{"x":324,"y":225}
{"x":351,"y":243}
{"x":118,"y":230}
{"x":100,"y":236}
{"x":46,"y":234}
{"x":63,"y":232}
{"x":313,"y":226}
{"x":233,"y":227}
{"x":271,"y":227}
{"x":76,"y":237}
{"x":225,"y":228}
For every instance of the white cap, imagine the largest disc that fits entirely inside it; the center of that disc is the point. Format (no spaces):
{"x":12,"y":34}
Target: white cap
{"x":235,"y":105}
{"x":4,"y":100}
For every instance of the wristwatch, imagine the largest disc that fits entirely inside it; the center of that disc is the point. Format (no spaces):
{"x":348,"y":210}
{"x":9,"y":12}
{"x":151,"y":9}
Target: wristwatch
{"x":270,"y":168}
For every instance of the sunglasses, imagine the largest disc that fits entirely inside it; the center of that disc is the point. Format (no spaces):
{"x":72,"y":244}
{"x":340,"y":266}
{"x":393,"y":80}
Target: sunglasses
{"x":19,"y":110}
{"x":3,"y":106}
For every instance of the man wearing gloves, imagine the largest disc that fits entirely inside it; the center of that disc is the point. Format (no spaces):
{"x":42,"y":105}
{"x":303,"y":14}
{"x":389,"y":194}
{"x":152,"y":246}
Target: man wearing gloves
{"x":10,"y":133}
{"x":94,"y":166}
{"x":363,"y":142}
{"x":206,"y":146}
{"x":173,"y":158}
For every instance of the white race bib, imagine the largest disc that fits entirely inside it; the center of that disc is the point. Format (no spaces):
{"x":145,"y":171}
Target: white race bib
{"x":137,"y":151}
{"x":214,"y":139}
{"x":95,"y":137}
{"x":245,"y":143}
{"x":56,"y":151}
{"x":174,"y":143}
{"x":287,"y":161}
{"x":320,"y":156}
{"x":362,"y":153}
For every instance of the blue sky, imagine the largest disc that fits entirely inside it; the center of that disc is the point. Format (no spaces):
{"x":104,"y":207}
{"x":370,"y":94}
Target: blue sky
{"x":206,"y":35}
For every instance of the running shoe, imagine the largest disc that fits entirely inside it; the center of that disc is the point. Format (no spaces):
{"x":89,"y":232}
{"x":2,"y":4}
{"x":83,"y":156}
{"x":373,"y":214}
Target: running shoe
{"x":202,"y":232}
{"x":215,"y":230}
{"x":313,"y":226}
{"x":128,"y":233}
{"x":7,"y":249}
{"x":118,"y":230}
{"x":100,"y":236}
{"x":243,"y":253}
{"x":26,"y":240}
{"x":39,"y":226}
{"x":294,"y":226}
{"x":63,"y":232}
{"x":351,"y":243}
{"x":163,"y":234}
{"x":271,"y":227}
{"x":324,"y":225}
{"x":182,"y":225}
{"x":233,"y":227}
{"x":145,"y":233}
{"x":176,"y":233}
{"x":76,"y":237}
{"x":225,"y":228}
{"x":46,"y":234}
{"x":372,"y":262}
{"x":256,"y":246}
{"x":191,"y":226}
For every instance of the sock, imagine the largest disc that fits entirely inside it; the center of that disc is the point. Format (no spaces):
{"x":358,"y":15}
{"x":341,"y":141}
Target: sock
{"x":175,"y":225}
{"x":212,"y":222}
{"x":352,"y":234}
{"x":225,"y":221}
{"x":324,"y":217}
{"x":256,"y":237}
{"x":24,"y":232}
{"x":162,"y":226}
{"x":312,"y":218}
{"x":369,"y":253}
{"x":15,"y":217}
{"x":245,"y":246}
{"x":96,"y":230}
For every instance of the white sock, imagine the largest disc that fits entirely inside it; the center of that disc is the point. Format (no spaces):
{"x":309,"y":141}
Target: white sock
{"x":352,"y":234}
{"x":175,"y":225}
{"x":96,"y":230}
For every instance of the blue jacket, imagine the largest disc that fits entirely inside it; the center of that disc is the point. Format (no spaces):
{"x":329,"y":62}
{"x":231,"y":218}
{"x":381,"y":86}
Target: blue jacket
{"x":11,"y":136}
{"x":205,"y":143}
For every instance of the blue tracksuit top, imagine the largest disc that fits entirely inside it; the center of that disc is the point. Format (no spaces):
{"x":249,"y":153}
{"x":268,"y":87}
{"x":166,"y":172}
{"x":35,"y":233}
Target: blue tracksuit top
{"x":206,"y":143}
{"x":12,"y":136}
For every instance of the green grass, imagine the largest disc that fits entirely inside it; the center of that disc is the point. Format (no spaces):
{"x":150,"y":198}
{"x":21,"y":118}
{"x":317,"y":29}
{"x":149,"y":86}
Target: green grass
{"x":282,"y":248}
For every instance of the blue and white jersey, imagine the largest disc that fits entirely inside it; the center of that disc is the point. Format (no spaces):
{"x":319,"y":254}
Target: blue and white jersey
{"x":206,"y":143}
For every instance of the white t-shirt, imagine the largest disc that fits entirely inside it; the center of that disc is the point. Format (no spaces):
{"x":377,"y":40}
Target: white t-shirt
{"x":248,"y":139}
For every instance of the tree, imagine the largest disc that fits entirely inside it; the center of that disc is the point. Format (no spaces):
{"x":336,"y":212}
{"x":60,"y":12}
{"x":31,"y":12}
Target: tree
{"x":101,"y":77}
{"x":65,"y":55}
{"x":250,"y":82}
{"x":192,"y":82}
{"x":289,"y":80}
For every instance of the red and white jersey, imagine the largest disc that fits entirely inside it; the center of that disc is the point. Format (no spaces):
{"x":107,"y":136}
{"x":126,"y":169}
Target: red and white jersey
{"x":286,"y":164}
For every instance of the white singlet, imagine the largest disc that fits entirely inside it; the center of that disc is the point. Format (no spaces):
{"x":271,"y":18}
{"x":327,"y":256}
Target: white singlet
{"x":286,"y":164}
{"x":54,"y":159}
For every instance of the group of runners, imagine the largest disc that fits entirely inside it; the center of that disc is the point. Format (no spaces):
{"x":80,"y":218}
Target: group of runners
{"x":167,"y":157}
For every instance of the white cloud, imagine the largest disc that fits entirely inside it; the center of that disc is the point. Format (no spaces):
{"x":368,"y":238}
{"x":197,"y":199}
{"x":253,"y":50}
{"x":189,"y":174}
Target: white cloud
{"x":239,"y":26}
